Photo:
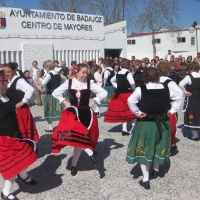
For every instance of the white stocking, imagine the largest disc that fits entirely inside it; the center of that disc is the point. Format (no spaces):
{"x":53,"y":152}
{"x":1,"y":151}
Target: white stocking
{"x":145,"y":172}
{"x":97,"y":109}
{"x":23,"y":174}
{"x":124,"y":126}
{"x":133,"y":125}
{"x":8,"y":186}
{"x":156,"y":166}
{"x":50,"y":125}
{"x":76,"y":155}
{"x":88,"y":151}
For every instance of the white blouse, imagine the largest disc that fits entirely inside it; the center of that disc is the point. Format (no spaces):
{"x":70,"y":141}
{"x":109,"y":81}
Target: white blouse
{"x":23,"y":86}
{"x":98,"y":78}
{"x":57,"y":69}
{"x":176,"y":94}
{"x":106,"y":74}
{"x":136,"y":96}
{"x":129,"y":78}
{"x":47,"y":78}
{"x":77,"y":85}
{"x":3,"y":99}
{"x":187,"y":81}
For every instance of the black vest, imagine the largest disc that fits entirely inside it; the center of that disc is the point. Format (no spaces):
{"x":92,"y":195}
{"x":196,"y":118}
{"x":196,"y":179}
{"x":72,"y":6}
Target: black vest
{"x":14,"y":95}
{"x":154,"y":101}
{"x":194,"y":88}
{"x":53,"y":83}
{"x":84,"y":96}
{"x":83,"y":104}
{"x":8,"y":119}
{"x":166,"y":84}
{"x":123,"y":86}
{"x":112,"y":73}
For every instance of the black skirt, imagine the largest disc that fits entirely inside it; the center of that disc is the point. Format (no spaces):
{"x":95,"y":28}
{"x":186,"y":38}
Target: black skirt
{"x":192,"y":113}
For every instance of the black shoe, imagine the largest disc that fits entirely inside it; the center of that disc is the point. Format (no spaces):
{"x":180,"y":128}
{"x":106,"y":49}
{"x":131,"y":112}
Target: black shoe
{"x":154,"y":174}
{"x":173,"y":146}
{"x":125,"y":133}
{"x":7,"y":197}
{"x":48,"y":131}
{"x":73,"y":171}
{"x":193,"y":138}
{"x":32,"y":182}
{"x":97,"y":114}
{"x":145,"y":185}
{"x":93,"y":159}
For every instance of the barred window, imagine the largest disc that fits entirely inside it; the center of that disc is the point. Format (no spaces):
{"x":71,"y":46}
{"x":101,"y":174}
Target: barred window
{"x":130,"y":42}
{"x":157,"y":41}
{"x":192,"y":41}
{"x":181,"y":39}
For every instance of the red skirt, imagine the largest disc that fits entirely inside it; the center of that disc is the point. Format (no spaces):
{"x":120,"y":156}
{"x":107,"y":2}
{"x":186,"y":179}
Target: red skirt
{"x":118,"y":110}
{"x":71,"y":132}
{"x":26,"y":124}
{"x":15,"y":156}
{"x":172,"y":119}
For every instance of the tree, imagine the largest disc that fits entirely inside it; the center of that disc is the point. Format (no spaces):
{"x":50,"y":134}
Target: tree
{"x":112,"y":10}
{"x":159,"y":14}
{"x":5,"y":3}
{"x":62,"y":5}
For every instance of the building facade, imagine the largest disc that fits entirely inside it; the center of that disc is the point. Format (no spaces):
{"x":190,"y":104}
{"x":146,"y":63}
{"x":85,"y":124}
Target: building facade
{"x":181,"y":42}
{"x":27,"y":35}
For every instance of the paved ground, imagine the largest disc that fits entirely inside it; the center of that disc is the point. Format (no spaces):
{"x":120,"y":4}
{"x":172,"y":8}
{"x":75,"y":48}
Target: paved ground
{"x":113,"y":177}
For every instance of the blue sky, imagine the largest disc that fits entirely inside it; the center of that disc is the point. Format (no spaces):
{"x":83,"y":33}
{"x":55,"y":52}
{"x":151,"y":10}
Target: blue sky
{"x":189,"y":14}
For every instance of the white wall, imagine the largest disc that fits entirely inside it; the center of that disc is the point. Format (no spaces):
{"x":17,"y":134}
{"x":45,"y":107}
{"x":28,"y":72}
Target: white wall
{"x":115,"y":37}
{"x":33,"y":35}
{"x":143,"y":47}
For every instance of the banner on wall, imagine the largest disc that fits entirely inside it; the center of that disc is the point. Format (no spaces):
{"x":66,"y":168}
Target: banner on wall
{"x":40,"y":22}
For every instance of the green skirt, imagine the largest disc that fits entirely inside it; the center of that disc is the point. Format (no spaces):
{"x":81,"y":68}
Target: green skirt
{"x":106,"y":101}
{"x":147,"y":144}
{"x":52,"y":108}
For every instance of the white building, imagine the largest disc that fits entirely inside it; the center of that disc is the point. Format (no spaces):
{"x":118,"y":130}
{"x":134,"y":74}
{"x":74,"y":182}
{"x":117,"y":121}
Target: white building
{"x":27,"y":35}
{"x":181,"y":42}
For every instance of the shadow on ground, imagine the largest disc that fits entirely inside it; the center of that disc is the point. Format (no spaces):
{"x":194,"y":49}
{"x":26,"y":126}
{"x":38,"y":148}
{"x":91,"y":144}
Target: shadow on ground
{"x":45,"y":175}
{"x":136,"y":171}
{"x":44,"y":145}
{"x":38,"y":119}
{"x":103,"y":150}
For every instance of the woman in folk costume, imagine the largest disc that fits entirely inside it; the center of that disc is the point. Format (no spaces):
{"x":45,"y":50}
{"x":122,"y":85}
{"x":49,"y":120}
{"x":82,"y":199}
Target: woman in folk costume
{"x":52,"y":108}
{"x":150,"y":141}
{"x":78,"y":126}
{"x":16,"y":153}
{"x":191,"y":88}
{"x":118,"y":109}
{"x":106,"y":77}
{"x":19,"y":91}
{"x":175,"y":93}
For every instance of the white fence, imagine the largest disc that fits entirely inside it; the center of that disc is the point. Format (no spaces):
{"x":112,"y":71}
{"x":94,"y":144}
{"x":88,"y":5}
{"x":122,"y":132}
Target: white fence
{"x":60,"y":55}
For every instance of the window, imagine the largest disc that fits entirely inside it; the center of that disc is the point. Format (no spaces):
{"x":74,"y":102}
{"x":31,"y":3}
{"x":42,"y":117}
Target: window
{"x":181,"y":40}
{"x":192,"y":41}
{"x":157,"y":41}
{"x":130,"y":42}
